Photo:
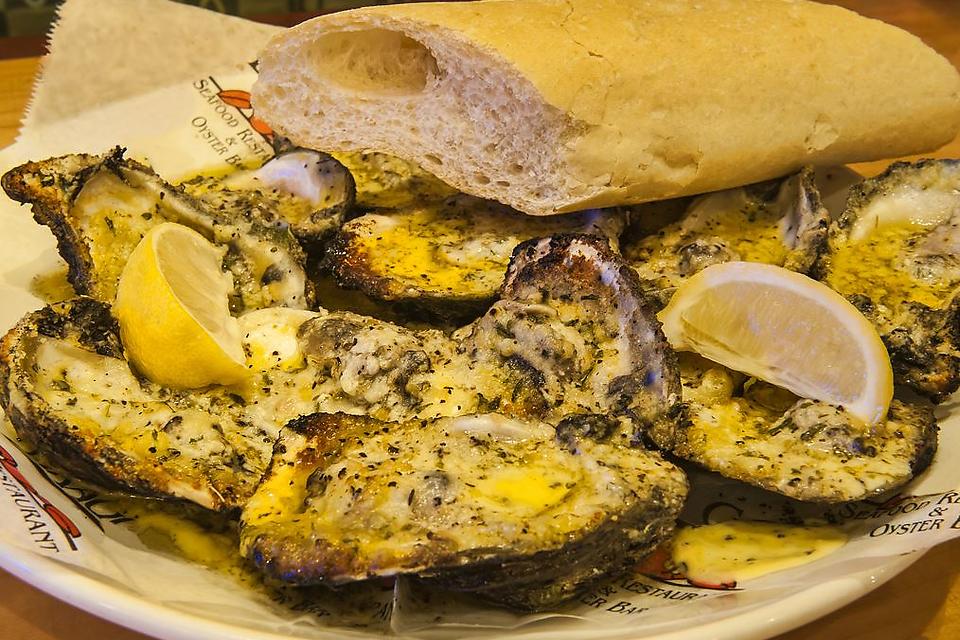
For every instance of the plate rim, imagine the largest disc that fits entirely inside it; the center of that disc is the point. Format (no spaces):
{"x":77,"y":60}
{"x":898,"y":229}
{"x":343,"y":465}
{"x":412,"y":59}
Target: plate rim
{"x":63,"y":582}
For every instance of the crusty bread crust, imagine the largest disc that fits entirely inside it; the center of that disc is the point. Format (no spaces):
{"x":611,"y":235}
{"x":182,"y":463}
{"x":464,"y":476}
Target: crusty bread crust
{"x":559,"y":105}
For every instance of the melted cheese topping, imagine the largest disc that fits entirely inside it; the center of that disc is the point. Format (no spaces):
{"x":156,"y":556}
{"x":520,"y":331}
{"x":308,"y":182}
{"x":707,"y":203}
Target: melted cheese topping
{"x":389,"y":182}
{"x":199,"y":445}
{"x":752,"y":231}
{"x":573,"y":352}
{"x":770,"y":438}
{"x":195,"y":446}
{"x":113,"y":217}
{"x":871,"y":267}
{"x":524,"y":491}
{"x":270,"y":338}
{"x":740,"y":550}
{"x":391,"y":491}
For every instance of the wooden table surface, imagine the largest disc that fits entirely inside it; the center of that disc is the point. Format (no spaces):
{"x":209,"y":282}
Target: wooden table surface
{"x":922,"y":602}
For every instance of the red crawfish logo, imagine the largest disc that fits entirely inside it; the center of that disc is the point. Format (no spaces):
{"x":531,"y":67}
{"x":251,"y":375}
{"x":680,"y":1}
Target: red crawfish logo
{"x":658,"y":566}
{"x":241,"y":101}
{"x":70,"y":531}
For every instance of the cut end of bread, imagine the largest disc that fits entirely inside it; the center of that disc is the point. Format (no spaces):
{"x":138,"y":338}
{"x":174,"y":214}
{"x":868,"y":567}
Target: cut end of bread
{"x":462,"y":114}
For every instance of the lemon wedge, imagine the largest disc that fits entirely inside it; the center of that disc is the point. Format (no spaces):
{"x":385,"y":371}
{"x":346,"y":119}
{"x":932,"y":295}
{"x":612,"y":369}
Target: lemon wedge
{"x":786,"y":329}
{"x":173,"y":311}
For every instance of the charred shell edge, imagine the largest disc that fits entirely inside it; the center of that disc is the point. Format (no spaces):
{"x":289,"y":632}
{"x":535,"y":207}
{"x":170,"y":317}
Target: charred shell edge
{"x":813,"y":229}
{"x":532,"y":257}
{"x":39,"y":426}
{"x":341,"y":209}
{"x":48,"y":204}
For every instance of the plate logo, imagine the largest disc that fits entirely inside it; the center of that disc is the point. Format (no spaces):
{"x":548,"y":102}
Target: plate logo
{"x":42,"y":518}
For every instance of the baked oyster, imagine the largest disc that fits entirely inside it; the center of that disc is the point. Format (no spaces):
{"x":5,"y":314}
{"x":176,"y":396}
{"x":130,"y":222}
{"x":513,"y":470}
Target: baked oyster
{"x":809,"y":450}
{"x":780,"y":222}
{"x":70,"y":393}
{"x":447,"y":258}
{"x":570,"y":334}
{"x":307,"y":190}
{"x":99,"y":207}
{"x":519,"y":513}
{"x":895,"y":254}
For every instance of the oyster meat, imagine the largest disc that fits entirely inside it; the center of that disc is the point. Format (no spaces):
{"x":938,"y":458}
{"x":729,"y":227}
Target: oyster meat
{"x":518,"y":513}
{"x":446,"y":258}
{"x":809,"y":450}
{"x":307,"y":190}
{"x":99,"y":208}
{"x":780,"y":222}
{"x":895,"y":254}
{"x":388,"y":182}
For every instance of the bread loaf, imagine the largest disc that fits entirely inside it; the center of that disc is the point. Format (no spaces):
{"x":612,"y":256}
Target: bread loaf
{"x":553,"y":106}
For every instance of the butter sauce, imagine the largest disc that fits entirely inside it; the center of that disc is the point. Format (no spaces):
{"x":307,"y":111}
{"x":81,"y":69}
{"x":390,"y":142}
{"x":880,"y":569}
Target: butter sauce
{"x":722,"y":553}
{"x":215,"y":545}
{"x":52,"y":286}
{"x":740,"y":550}
{"x":161,"y":528}
{"x":870,"y":265}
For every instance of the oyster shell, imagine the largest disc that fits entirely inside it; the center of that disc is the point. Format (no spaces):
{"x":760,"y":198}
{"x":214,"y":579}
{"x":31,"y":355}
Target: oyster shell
{"x":483,"y":504}
{"x":446,"y":258}
{"x":751,"y":431}
{"x":895,"y":253}
{"x":99,"y":207}
{"x":307,"y":190}
{"x":69,"y":392}
{"x":781,"y":222}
